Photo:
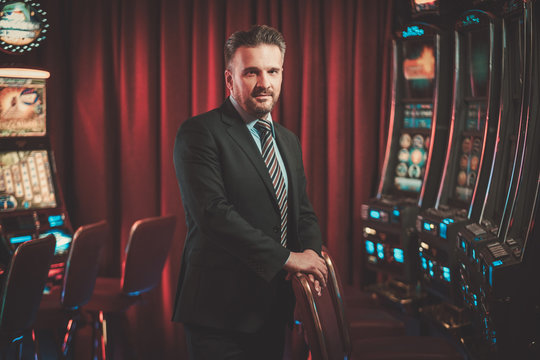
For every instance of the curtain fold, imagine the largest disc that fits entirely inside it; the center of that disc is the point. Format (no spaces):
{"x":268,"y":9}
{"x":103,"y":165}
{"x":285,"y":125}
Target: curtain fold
{"x":127,"y":73}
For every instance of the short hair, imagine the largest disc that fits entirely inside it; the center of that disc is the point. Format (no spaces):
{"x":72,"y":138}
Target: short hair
{"x":257,"y":35}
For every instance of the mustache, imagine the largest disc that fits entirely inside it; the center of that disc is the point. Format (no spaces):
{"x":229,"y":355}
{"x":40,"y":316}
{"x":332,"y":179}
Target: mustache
{"x":263,"y":92}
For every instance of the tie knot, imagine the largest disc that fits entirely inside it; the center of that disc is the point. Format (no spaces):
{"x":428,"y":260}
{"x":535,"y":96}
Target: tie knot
{"x":263,"y":127}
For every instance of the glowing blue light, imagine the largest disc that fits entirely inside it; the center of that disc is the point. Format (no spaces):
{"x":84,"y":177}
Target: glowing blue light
{"x":446,"y":273}
{"x":470,"y":20}
{"x":398,"y":255}
{"x":414,"y":30}
{"x":63,"y":240}
{"x":370,"y":247}
{"x":56,"y":220}
{"x":448,"y":221}
{"x":20,"y":239}
{"x":497,"y":263}
{"x":473,"y":254}
{"x":380,"y":251}
{"x":424,"y":264}
{"x":395,"y":212}
{"x":463,"y":245}
{"x":374,"y":214}
{"x":442,"y":230}
{"x":428,"y":226}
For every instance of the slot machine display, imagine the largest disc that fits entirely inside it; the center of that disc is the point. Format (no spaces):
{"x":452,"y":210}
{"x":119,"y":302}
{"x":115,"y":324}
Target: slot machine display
{"x":415,"y":146}
{"x":497,"y":255}
{"x":475,"y":120}
{"x":31,"y":203}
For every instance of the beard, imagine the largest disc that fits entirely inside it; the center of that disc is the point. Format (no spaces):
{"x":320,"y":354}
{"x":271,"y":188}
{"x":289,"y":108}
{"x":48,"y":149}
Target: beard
{"x":259,"y":109}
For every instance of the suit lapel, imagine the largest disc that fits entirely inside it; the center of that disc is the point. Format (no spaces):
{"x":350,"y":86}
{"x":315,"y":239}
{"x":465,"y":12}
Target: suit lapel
{"x":240,"y":134}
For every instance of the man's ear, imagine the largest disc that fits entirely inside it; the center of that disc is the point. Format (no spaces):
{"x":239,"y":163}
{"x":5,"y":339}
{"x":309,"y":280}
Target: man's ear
{"x":228,"y":80}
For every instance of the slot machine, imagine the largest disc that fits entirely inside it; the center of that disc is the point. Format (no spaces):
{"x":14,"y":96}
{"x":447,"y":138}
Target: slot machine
{"x":31,"y":201}
{"x":497,"y":255}
{"x":471,"y":144}
{"x":418,"y":124}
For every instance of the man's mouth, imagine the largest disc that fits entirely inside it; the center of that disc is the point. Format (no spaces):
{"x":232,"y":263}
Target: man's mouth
{"x":263,"y":96}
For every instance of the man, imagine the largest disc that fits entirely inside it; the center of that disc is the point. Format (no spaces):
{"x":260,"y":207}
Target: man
{"x":249,"y":221}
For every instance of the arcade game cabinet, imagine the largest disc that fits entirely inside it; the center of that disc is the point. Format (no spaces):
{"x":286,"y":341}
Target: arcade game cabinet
{"x":31,"y":203}
{"x":498,"y":255}
{"x":478,"y":124}
{"x":418,"y":124}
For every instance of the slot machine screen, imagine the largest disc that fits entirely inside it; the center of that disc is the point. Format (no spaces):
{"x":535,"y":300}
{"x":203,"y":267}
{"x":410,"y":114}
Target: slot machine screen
{"x":478,"y":62}
{"x":22,"y":107}
{"x":26,"y":181}
{"x":411,"y":161}
{"x":419,"y":6}
{"x":419,"y":69}
{"x":470,"y":152}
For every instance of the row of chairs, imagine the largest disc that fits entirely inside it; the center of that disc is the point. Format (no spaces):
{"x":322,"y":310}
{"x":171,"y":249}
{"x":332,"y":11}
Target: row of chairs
{"x":22,"y":294}
{"x":326,"y":325}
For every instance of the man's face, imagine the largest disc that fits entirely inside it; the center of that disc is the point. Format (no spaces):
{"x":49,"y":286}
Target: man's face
{"x":254,"y":78}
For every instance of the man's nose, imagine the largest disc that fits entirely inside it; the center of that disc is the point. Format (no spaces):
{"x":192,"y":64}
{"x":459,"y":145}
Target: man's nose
{"x":264,"y":80}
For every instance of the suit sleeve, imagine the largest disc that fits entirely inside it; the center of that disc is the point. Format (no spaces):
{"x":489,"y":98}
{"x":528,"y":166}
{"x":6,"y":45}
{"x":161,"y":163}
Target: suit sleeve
{"x":199,"y":174}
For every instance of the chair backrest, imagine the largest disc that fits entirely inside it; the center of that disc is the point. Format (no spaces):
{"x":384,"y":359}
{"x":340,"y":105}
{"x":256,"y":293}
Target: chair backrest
{"x":335,"y":289}
{"x":23,"y":289}
{"x":146,"y":252}
{"x":83,"y":264}
{"x":319,"y":320}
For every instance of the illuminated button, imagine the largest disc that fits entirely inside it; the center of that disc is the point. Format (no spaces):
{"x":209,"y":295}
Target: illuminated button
{"x":398,"y":255}
{"x":442,"y":230}
{"x":497,"y":263}
{"x":427,"y":226}
{"x":446,"y":273}
{"x":380,"y":251}
{"x":370,"y":247}
{"x":370,"y":231}
{"x":374,"y":214}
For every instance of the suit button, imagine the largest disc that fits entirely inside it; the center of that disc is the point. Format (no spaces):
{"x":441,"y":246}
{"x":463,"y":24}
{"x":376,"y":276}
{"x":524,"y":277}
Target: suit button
{"x":275,"y":229}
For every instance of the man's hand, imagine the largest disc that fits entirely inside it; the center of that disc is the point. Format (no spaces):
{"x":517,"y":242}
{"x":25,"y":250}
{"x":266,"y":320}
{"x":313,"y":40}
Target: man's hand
{"x":311,"y":264}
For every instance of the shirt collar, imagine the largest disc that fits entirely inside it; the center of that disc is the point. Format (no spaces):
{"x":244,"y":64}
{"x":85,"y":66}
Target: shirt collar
{"x":249,"y":119}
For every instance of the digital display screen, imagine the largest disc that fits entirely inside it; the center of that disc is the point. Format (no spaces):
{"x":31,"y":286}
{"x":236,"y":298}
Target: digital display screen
{"x":469,"y":161}
{"x":425,"y":5}
{"x":418,"y":68}
{"x":411,"y":163}
{"x":26,"y":180}
{"x":63,"y":240}
{"x":478,"y":48}
{"x":417,"y":116}
{"x":22,"y":107}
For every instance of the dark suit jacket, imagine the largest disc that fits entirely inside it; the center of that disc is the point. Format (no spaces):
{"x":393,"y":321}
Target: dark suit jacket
{"x":232,"y":261}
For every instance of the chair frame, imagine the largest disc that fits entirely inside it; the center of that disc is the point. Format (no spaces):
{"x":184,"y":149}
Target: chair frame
{"x":334,"y":286}
{"x":17,"y":336}
{"x":309,"y":299}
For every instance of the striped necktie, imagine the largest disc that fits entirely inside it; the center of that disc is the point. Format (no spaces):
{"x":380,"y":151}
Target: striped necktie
{"x":270,"y":159}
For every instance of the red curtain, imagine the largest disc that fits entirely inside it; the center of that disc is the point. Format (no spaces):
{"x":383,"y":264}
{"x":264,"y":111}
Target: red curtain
{"x":127,"y":73}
